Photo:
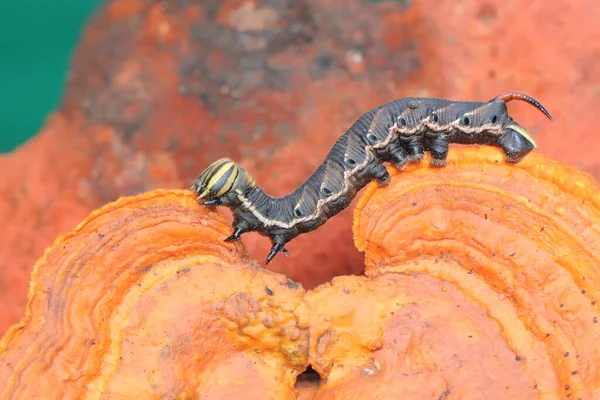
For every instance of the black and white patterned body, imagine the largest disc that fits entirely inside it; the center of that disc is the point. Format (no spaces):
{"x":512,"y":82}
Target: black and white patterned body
{"x":397,"y":132}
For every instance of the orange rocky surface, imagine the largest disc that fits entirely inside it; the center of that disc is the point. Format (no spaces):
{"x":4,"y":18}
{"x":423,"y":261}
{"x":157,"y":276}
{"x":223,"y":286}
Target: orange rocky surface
{"x":158,"y":90}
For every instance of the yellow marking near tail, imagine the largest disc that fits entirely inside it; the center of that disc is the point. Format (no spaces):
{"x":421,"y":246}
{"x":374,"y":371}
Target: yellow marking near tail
{"x":522,"y":131}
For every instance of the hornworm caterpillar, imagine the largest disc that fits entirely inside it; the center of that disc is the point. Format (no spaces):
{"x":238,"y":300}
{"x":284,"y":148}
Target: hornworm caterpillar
{"x":397,"y":132}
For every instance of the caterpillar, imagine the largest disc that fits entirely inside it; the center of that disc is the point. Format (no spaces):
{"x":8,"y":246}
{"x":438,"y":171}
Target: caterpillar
{"x":397,"y":132}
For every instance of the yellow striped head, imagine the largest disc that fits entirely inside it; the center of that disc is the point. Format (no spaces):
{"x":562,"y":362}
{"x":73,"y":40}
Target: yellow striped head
{"x":221,"y":178}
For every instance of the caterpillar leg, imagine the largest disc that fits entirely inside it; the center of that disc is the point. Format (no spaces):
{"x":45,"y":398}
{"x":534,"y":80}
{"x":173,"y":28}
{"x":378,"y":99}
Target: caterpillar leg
{"x":240,"y":226}
{"x":438,"y":148}
{"x":380,"y":173}
{"x":235,"y":236}
{"x":210,"y":203}
{"x":278,"y":246}
{"x":414,"y":148}
{"x":397,"y":155}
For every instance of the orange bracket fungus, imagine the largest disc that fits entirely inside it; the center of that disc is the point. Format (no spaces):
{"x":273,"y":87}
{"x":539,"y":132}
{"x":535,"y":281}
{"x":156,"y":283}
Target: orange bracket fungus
{"x":515,"y":252}
{"x":481,"y":282}
{"x":144,"y":300}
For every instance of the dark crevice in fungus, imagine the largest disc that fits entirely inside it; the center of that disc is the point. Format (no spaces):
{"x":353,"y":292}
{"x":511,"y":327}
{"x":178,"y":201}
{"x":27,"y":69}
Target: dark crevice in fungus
{"x":308,"y":381}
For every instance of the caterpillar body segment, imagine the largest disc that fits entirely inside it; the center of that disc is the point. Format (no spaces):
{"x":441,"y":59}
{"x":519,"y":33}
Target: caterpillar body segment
{"x":398,"y":132}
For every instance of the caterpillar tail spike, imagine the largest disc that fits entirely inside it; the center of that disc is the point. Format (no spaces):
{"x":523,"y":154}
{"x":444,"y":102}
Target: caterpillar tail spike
{"x":398,"y":132}
{"x":516,"y":141}
{"x":516,"y":95}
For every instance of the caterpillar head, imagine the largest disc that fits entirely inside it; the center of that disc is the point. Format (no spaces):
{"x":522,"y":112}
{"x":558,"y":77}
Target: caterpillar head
{"x":512,"y":137}
{"x":221,"y":181}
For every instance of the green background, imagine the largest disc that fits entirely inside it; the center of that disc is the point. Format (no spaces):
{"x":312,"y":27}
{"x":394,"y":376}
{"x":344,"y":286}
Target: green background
{"x":37,"y":38}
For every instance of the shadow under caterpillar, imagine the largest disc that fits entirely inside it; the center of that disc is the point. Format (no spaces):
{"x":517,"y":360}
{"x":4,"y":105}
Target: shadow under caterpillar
{"x":397,"y":132}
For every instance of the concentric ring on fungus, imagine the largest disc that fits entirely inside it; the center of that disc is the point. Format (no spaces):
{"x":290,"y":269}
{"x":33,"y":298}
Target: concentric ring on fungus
{"x":144,"y":300}
{"x":520,"y":241}
{"x":481,"y":283}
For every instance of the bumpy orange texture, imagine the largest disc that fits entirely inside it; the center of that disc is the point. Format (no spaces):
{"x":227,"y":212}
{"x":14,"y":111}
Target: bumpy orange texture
{"x":520,"y":244}
{"x":481,"y":282}
{"x":399,"y":336}
{"x":144,"y":300}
